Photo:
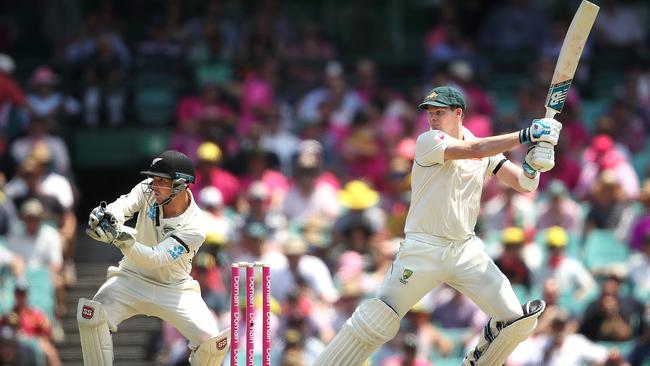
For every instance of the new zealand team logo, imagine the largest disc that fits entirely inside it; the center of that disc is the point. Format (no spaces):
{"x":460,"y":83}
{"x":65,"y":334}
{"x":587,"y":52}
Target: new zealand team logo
{"x":405,"y":276}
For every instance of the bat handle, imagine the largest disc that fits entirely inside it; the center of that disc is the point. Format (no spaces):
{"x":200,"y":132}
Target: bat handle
{"x":550,"y":113}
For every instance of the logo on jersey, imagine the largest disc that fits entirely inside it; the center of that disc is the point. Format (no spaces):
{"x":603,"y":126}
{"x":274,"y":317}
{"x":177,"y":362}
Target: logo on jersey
{"x":222,"y":343}
{"x":87,"y":312}
{"x":167,"y":229}
{"x":151,"y":212}
{"x":405,"y":276}
{"x":441,"y":136}
{"x":175,"y":250}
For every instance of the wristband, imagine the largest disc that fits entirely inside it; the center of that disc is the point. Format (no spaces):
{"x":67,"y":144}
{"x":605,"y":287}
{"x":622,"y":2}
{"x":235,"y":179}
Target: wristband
{"x":496,"y":169}
{"x":524,"y":136}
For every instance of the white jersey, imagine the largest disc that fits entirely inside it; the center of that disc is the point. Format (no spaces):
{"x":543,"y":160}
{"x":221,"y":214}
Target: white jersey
{"x":164,"y":247}
{"x":446,"y":195}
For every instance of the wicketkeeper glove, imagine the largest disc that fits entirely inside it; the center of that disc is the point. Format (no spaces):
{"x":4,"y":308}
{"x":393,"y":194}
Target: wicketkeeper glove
{"x":104,"y":227}
{"x":540,"y":157}
{"x":541,"y":130}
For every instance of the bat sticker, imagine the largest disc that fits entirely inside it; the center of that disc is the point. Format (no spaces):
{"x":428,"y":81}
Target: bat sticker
{"x":557,"y":95}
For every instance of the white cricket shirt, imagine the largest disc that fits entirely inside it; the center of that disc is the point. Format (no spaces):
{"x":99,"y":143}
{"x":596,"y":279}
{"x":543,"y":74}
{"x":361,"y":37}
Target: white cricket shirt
{"x":164,"y":247}
{"x":446,"y":195}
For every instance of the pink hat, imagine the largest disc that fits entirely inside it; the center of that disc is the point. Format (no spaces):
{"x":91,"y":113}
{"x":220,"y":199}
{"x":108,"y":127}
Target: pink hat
{"x":406,"y":148}
{"x":43,"y":75}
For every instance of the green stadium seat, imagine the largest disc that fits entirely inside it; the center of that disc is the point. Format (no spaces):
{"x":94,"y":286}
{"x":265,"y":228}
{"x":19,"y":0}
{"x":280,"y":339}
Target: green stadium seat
{"x":154,"y":98}
{"x":592,"y":109}
{"x":41,"y":290}
{"x":447,"y":361}
{"x":602,"y":249}
{"x":95,"y":148}
{"x":522,"y":293}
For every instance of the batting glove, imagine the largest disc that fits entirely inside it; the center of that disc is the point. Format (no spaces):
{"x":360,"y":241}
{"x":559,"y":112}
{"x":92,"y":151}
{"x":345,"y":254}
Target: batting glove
{"x":540,"y":157}
{"x":96,"y":215}
{"x":541,"y":130}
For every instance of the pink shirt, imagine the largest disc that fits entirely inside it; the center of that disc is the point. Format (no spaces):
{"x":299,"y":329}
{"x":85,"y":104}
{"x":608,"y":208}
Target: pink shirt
{"x":227,"y":183}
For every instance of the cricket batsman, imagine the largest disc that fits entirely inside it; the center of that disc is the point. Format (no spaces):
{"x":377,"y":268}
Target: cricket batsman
{"x":153,"y":277}
{"x":440,"y":245}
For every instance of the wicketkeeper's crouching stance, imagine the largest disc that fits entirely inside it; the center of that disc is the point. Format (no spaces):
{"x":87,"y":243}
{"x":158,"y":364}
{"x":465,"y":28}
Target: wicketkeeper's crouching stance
{"x":153,"y":276}
{"x":440,"y":245}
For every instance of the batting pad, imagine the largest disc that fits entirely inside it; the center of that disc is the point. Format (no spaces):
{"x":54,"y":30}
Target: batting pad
{"x":512,"y":335}
{"x":372,"y":324}
{"x":212,"y":351}
{"x":96,"y":341}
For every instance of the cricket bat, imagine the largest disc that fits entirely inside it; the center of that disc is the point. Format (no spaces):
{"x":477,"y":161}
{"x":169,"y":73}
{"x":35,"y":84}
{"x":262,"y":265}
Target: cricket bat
{"x":567,"y":61}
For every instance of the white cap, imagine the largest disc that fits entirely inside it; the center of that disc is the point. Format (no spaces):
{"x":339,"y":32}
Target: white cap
{"x":7,"y":64}
{"x":211,"y":197}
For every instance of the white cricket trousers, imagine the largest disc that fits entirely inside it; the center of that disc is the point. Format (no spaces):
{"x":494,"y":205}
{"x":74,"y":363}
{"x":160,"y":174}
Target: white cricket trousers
{"x":124,"y":295}
{"x":465,"y":266}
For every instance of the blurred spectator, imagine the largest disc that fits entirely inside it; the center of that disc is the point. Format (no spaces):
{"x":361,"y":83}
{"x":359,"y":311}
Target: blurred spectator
{"x":13,"y":351}
{"x":383,"y":253}
{"x":641,"y":226}
{"x":525,"y":28}
{"x":307,"y":198}
{"x":638,"y":269}
{"x":45,"y":102}
{"x":213,"y":291}
{"x":444,"y":42}
{"x":612,"y":316}
{"x":220,"y":222}
{"x":620,"y":25}
{"x":38,"y":133}
{"x":315,"y":149}
{"x":569,"y":273}
{"x":551,"y":295}
{"x":511,"y":262}
{"x":508,"y":208}
{"x":206,"y":116}
{"x":560,"y":347}
{"x":11,"y":94}
{"x":408,"y":355}
{"x":363,"y":152}
{"x":209,"y":173}
{"x":429,"y":337}
{"x":397,"y":195}
{"x":345,"y":102}
{"x":312,"y":270}
{"x":257,"y":96}
{"x":104,"y":95}
{"x":195,"y":31}
{"x":361,"y":201}
{"x":559,"y":209}
{"x":312,"y":45}
{"x":260,"y":170}
{"x":640,"y":353}
{"x":480,"y":106}
{"x":278,"y":138}
{"x":31,"y":323}
{"x":452,"y":309}
{"x":37,"y":180}
{"x":257,"y":208}
{"x":609,"y":207}
{"x":160,"y":45}
{"x":602,"y":155}
{"x":365,"y":79}
{"x":13,"y":261}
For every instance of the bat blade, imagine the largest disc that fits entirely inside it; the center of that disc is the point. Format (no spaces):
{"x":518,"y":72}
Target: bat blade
{"x":567,"y":62}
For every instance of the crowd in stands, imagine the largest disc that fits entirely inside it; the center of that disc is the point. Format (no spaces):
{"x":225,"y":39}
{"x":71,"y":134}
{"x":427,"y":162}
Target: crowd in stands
{"x":303,"y":158}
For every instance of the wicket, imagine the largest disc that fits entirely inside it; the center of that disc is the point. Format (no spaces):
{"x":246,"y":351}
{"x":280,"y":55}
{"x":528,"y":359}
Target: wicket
{"x":250,"y":313}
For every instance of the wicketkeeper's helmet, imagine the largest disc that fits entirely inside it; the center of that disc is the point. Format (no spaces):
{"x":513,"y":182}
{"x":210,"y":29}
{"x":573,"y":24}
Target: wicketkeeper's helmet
{"x":173,"y":165}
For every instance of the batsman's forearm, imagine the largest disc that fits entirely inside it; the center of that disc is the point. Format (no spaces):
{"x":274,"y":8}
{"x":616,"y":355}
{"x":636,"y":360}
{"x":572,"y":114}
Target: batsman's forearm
{"x":143,"y":255}
{"x":493,"y":145}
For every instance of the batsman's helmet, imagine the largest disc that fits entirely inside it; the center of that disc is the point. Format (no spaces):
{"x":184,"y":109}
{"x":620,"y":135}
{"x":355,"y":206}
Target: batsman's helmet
{"x":173,"y":165}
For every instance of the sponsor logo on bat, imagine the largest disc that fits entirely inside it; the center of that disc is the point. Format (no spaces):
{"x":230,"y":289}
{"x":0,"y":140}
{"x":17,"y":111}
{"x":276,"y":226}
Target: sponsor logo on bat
{"x":557,"y":95}
{"x":87,"y":312}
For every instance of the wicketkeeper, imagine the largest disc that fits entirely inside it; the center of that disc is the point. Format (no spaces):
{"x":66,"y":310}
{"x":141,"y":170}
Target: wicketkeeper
{"x":440,"y":245}
{"x":153,"y":277}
